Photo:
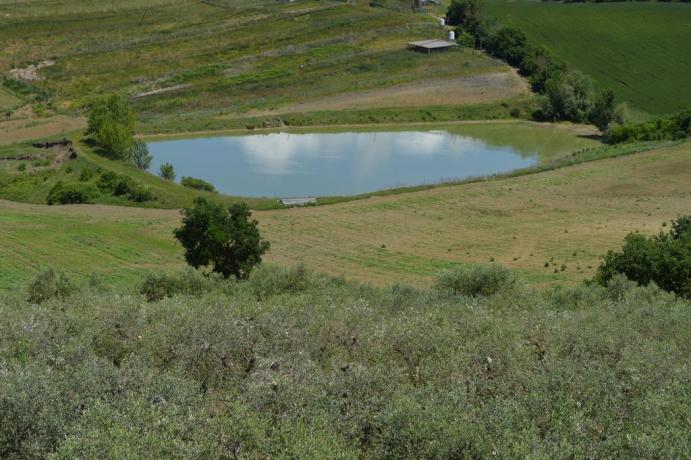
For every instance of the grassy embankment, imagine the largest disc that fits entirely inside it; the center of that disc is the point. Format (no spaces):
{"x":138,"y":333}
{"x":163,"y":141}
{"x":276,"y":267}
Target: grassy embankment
{"x":638,"y":49}
{"x":192,"y":66}
{"x":534,"y":223}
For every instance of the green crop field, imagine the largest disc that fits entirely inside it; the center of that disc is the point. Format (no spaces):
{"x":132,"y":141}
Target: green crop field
{"x":640,"y":50}
{"x":566,"y":217}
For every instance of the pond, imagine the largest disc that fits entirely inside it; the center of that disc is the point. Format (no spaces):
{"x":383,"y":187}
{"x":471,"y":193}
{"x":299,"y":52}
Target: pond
{"x":295,"y":164}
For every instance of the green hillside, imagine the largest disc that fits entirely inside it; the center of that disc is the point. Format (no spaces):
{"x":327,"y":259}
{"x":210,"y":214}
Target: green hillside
{"x":640,"y":50}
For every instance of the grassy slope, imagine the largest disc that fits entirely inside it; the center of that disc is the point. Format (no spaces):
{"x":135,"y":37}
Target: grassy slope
{"x":572,"y":215}
{"x":33,"y":184}
{"x":640,"y":50}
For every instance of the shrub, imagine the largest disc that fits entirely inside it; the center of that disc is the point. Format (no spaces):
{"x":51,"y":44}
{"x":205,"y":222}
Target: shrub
{"x":157,"y":286}
{"x":141,"y":158}
{"x":167,"y":171}
{"x":121,"y":185}
{"x":269,"y":280}
{"x":674,"y":127}
{"x":49,"y":284}
{"x":140,"y":194}
{"x":481,"y":280}
{"x":197,"y":184}
{"x":86,"y":174}
{"x":664,"y":259}
{"x":21,"y":167}
{"x":67,"y":193}
{"x":226,"y":240}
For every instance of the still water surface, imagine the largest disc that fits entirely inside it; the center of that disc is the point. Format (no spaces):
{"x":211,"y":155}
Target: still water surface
{"x":344,"y":163}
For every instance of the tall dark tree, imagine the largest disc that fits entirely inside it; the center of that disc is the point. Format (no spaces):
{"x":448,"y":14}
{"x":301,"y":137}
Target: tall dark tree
{"x":465,"y":13}
{"x":227,"y":240}
{"x":602,"y":112}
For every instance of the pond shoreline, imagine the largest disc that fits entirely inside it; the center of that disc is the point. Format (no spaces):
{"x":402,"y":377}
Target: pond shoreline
{"x":579,"y":129}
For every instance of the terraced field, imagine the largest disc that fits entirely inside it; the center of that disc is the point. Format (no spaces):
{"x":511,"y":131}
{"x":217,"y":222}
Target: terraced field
{"x":187,"y":63}
{"x":638,"y":49}
{"x":550,"y":227}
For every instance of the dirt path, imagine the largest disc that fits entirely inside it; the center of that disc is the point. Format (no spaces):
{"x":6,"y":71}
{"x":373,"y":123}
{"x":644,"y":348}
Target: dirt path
{"x":447,"y":91}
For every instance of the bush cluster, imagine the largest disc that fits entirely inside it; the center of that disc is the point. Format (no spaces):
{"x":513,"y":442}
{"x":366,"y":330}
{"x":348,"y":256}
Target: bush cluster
{"x":197,"y":184}
{"x":346,"y":371}
{"x":71,"y":193}
{"x":668,"y":128}
{"x":157,"y":286}
{"x":481,"y":280}
{"x":663,"y":259}
{"x":49,"y":284}
{"x":114,"y":184}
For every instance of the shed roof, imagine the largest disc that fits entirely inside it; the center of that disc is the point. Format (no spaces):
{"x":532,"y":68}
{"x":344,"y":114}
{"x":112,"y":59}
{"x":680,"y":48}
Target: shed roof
{"x":432,"y":44}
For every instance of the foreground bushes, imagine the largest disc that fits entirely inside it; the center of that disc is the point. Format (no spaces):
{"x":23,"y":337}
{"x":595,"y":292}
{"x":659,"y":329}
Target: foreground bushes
{"x":340,"y":370}
{"x":475,"y":281}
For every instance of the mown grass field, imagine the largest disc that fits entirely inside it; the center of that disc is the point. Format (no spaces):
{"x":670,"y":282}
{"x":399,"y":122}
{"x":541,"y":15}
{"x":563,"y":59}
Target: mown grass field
{"x":189,"y":65}
{"x":638,"y":49}
{"x":566,"y":217}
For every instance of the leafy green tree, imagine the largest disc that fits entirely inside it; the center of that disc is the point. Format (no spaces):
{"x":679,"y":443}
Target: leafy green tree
{"x":141,"y":156}
{"x":568,"y":97}
{"x":602,"y":112}
{"x":509,"y":44}
{"x":226,"y":240}
{"x":111,"y":123}
{"x":664,"y":259}
{"x":167,"y":171}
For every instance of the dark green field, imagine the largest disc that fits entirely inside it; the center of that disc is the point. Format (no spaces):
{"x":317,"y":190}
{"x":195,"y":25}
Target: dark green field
{"x":640,"y":50}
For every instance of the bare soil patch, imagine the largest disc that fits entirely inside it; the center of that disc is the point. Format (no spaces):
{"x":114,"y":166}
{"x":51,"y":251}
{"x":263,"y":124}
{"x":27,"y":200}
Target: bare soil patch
{"x":17,"y":130}
{"x":30,"y":73}
{"x":473,"y":89}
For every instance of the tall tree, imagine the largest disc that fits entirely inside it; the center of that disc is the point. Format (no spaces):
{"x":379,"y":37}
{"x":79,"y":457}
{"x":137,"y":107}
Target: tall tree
{"x":226,"y":240}
{"x":111,"y":123}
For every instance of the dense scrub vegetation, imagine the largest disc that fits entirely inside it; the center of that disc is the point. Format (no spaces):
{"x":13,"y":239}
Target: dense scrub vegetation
{"x":291,"y":364}
{"x":197,"y":184}
{"x":664,"y":259}
{"x":667,"y":128}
